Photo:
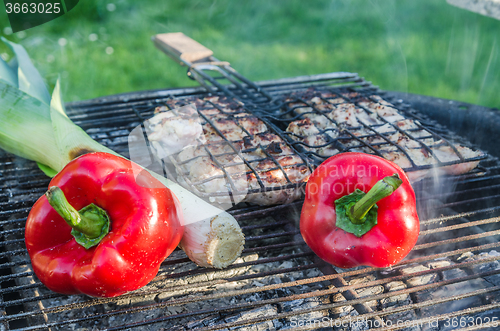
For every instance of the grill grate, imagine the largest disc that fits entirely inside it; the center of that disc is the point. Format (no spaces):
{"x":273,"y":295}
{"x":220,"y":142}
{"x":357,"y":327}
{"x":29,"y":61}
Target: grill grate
{"x":278,"y":283}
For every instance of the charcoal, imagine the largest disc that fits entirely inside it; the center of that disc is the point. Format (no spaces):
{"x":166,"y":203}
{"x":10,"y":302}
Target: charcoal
{"x":355,"y":323}
{"x":302,"y":304}
{"x":368,"y":291}
{"x":407,"y":319}
{"x":444,"y":291}
{"x":450,"y":273}
{"x":485,"y":267}
{"x":419,"y":280}
{"x":448,"y":290}
{"x":204,"y":322}
{"x":341,"y":310}
{"x":264,"y":311}
{"x":200,"y":278}
{"x":397,"y":300}
{"x":490,"y":316}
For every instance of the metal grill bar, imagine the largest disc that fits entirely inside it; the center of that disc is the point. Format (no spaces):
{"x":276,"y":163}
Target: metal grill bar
{"x":462,"y":192}
{"x":347,"y":274}
{"x":320,"y":293}
{"x":241,"y":87}
{"x":354,"y":301}
{"x":348,"y":293}
{"x":460,"y":226}
{"x":453,"y":204}
{"x":274,"y":251}
{"x":457,"y":240}
{"x":400,"y":277}
{"x":427,"y":304}
{"x":455,"y":314}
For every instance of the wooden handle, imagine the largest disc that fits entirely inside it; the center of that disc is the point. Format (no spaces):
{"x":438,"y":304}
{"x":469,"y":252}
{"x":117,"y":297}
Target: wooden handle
{"x":180,"y":46}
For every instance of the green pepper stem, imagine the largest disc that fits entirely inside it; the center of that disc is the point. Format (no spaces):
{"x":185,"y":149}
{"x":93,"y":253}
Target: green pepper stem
{"x":383,"y":188}
{"x":88,"y":221}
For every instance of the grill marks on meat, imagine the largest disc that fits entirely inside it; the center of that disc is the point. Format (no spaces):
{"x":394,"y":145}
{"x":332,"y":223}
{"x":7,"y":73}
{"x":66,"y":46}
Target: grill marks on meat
{"x":237,"y":153}
{"x":326,"y":123}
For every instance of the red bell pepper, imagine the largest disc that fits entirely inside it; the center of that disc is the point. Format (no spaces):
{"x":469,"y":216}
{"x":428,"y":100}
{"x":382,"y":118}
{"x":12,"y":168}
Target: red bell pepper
{"x":100,"y":230}
{"x":359,"y":209}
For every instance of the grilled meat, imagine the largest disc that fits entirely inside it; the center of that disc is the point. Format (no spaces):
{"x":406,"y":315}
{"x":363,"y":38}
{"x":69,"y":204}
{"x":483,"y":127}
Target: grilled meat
{"x":237,"y":157}
{"x":170,"y":132}
{"x":328,"y":123}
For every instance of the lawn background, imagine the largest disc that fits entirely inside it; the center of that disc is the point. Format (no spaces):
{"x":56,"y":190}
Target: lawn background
{"x":103,"y":47}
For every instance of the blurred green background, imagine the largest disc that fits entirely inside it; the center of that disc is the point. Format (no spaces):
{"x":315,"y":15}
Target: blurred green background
{"x":428,"y":47}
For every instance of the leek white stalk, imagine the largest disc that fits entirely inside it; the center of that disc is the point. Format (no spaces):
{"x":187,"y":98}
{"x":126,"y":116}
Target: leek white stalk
{"x":36,"y":127}
{"x":214,"y":243}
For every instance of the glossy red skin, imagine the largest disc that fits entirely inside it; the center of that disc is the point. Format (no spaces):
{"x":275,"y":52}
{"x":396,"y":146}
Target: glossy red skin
{"x":146,"y":226}
{"x":386,"y":243}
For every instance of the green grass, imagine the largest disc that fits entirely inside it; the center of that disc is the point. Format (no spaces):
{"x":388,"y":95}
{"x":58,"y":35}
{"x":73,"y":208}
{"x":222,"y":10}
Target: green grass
{"x":425,"y":46}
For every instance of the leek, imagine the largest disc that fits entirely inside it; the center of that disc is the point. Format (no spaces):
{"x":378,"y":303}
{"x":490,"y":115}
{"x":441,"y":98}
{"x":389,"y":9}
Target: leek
{"x":35,"y":126}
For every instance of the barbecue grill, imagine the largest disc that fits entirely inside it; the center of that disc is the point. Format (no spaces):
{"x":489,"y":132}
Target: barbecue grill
{"x":449,"y":281}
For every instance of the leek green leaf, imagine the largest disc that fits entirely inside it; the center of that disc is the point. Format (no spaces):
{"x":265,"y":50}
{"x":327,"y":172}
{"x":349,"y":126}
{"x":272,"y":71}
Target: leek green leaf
{"x":56,"y":102}
{"x":7,"y":74}
{"x":26,"y":128}
{"x":46,"y":170}
{"x":29,"y":79}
